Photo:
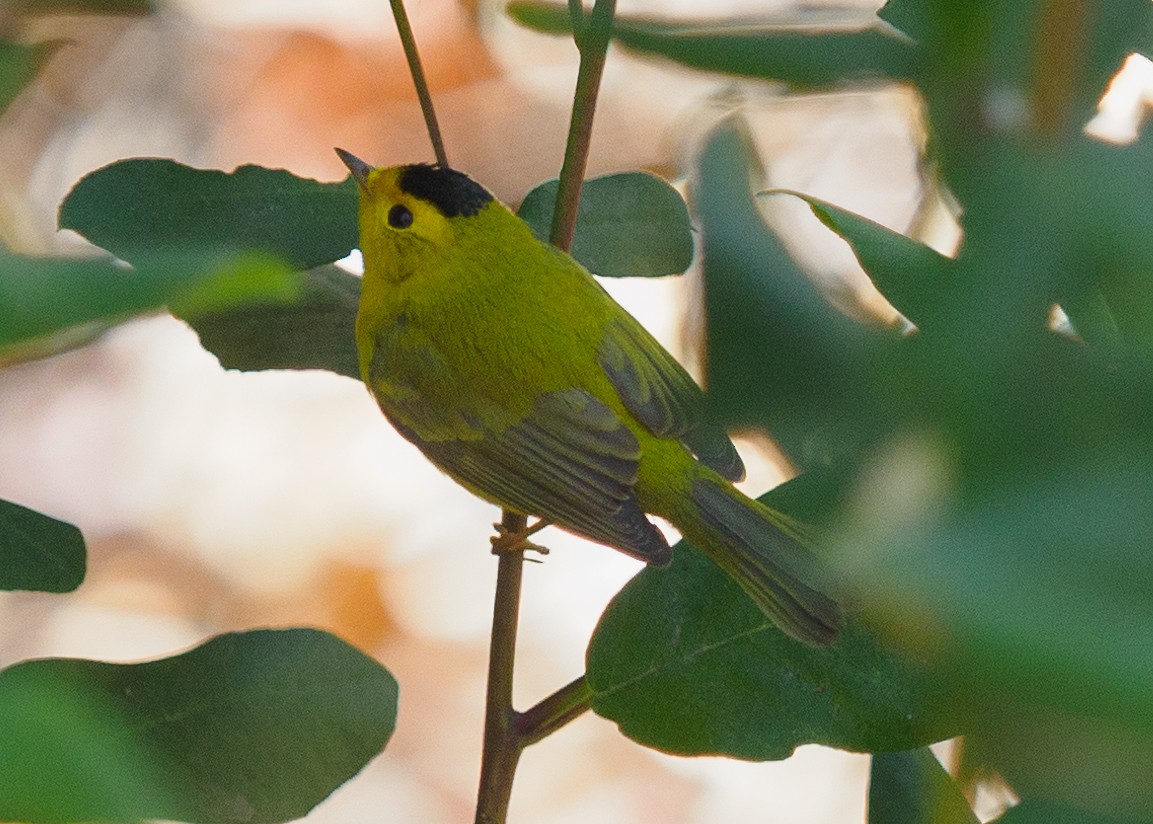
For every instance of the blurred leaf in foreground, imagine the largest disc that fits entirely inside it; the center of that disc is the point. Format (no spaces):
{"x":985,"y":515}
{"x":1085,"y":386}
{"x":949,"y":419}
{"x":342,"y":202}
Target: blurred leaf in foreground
{"x":800,"y":52}
{"x":88,"y":6}
{"x":19,"y":64}
{"x":312,"y":331}
{"x":1040,"y":812}
{"x":43,"y":296}
{"x":779,"y":355}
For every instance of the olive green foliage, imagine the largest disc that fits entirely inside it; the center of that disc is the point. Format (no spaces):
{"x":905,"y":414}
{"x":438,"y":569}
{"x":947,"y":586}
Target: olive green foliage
{"x":982,"y":483}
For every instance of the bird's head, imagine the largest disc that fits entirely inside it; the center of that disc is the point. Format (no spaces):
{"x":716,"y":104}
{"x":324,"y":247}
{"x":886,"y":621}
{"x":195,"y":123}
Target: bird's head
{"x":413,"y":213}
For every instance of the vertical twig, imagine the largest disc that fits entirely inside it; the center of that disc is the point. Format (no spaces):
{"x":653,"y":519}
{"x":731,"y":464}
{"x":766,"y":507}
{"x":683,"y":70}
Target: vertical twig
{"x":408,"y":41}
{"x":502,"y":745}
{"x":507,"y":732}
{"x":592,"y":40}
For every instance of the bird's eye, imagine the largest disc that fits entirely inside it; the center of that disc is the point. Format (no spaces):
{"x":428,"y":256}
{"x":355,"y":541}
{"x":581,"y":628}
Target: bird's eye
{"x":399,"y":217}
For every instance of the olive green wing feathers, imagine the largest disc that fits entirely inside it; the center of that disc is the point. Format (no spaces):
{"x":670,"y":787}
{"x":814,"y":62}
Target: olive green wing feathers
{"x":571,"y":460}
{"x":663,"y":396}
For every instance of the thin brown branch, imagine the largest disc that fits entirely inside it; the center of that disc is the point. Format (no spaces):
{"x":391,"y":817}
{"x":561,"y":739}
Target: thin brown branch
{"x":592,"y":41}
{"x":408,"y":41}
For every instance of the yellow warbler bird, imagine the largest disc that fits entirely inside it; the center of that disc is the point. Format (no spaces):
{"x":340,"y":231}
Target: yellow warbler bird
{"x":511,"y":369}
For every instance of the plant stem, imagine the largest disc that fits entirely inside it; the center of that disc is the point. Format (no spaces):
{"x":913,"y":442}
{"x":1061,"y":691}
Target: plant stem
{"x":542,"y":720}
{"x":408,"y":41}
{"x":506,"y":731}
{"x":592,"y":42}
{"x":502,"y":747}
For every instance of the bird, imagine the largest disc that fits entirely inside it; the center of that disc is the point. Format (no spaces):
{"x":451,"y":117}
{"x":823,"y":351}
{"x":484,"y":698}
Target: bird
{"x":511,"y":368}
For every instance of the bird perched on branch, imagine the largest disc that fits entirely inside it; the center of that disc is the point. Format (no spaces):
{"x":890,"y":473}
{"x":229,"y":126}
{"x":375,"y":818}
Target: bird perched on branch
{"x":511,"y":369}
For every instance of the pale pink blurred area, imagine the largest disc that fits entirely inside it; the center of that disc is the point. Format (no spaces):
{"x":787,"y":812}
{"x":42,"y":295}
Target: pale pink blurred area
{"x":215,"y":500}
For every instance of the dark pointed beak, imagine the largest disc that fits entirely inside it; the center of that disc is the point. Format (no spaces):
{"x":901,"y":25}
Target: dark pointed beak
{"x":358,"y":167}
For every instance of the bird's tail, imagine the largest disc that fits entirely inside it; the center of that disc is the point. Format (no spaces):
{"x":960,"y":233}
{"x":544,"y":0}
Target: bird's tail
{"x":763,"y":552}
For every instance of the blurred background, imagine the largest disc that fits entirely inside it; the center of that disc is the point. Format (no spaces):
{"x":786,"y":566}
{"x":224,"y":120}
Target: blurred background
{"x":215,"y":500}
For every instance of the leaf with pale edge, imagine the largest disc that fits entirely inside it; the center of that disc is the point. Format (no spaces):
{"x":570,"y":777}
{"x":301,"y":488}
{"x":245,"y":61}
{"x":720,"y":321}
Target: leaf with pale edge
{"x":915,"y":278}
{"x":804,"y":57}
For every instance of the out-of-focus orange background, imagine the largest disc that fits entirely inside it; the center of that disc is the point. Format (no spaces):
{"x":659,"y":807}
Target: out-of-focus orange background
{"x":213,"y":500}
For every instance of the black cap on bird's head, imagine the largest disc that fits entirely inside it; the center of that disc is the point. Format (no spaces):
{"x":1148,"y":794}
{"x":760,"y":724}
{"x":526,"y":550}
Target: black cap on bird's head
{"x":453,"y":193}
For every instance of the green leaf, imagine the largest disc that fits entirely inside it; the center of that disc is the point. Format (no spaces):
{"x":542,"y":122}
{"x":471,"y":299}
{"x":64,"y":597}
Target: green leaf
{"x":779,"y":355}
{"x":249,"y":727}
{"x":1038,"y":812}
{"x":683,"y":662}
{"x":912,"y":787}
{"x":631,"y":224}
{"x":139,"y":208}
{"x":804,"y":57}
{"x":39,"y":553}
{"x":912,"y":276}
{"x":1032,"y":811}
{"x":914,"y":18}
{"x":88,"y":6}
{"x":314,"y":331}
{"x":42,"y":296}
{"x":19,"y":64}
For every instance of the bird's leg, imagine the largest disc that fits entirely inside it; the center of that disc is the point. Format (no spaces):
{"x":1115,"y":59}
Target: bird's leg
{"x":505,"y":541}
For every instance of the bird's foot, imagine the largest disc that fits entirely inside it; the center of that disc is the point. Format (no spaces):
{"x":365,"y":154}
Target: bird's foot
{"x":508,"y":541}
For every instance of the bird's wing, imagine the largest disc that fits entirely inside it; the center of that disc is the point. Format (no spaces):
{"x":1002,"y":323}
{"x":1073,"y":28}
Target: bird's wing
{"x":662,"y":395}
{"x":571,"y":460}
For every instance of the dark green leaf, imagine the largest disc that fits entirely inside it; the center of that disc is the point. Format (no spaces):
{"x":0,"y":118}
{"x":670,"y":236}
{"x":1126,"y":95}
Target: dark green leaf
{"x":912,"y":276}
{"x":1040,"y":812}
{"x":315,"y":331}
{"x":139,"y":208}
{"x":42,"y":296}
{"x":914,"y":18}
{"x":803,"y":56}
{"x":632,"y":224}
{"x":912,"y":787}
{"x":249,"y":727}
{"x":37,"y":552}
{"x":86,"y":6}
{"x":19,"y":64}
{"x":779,"y":354}
{"x":682,"y":661}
